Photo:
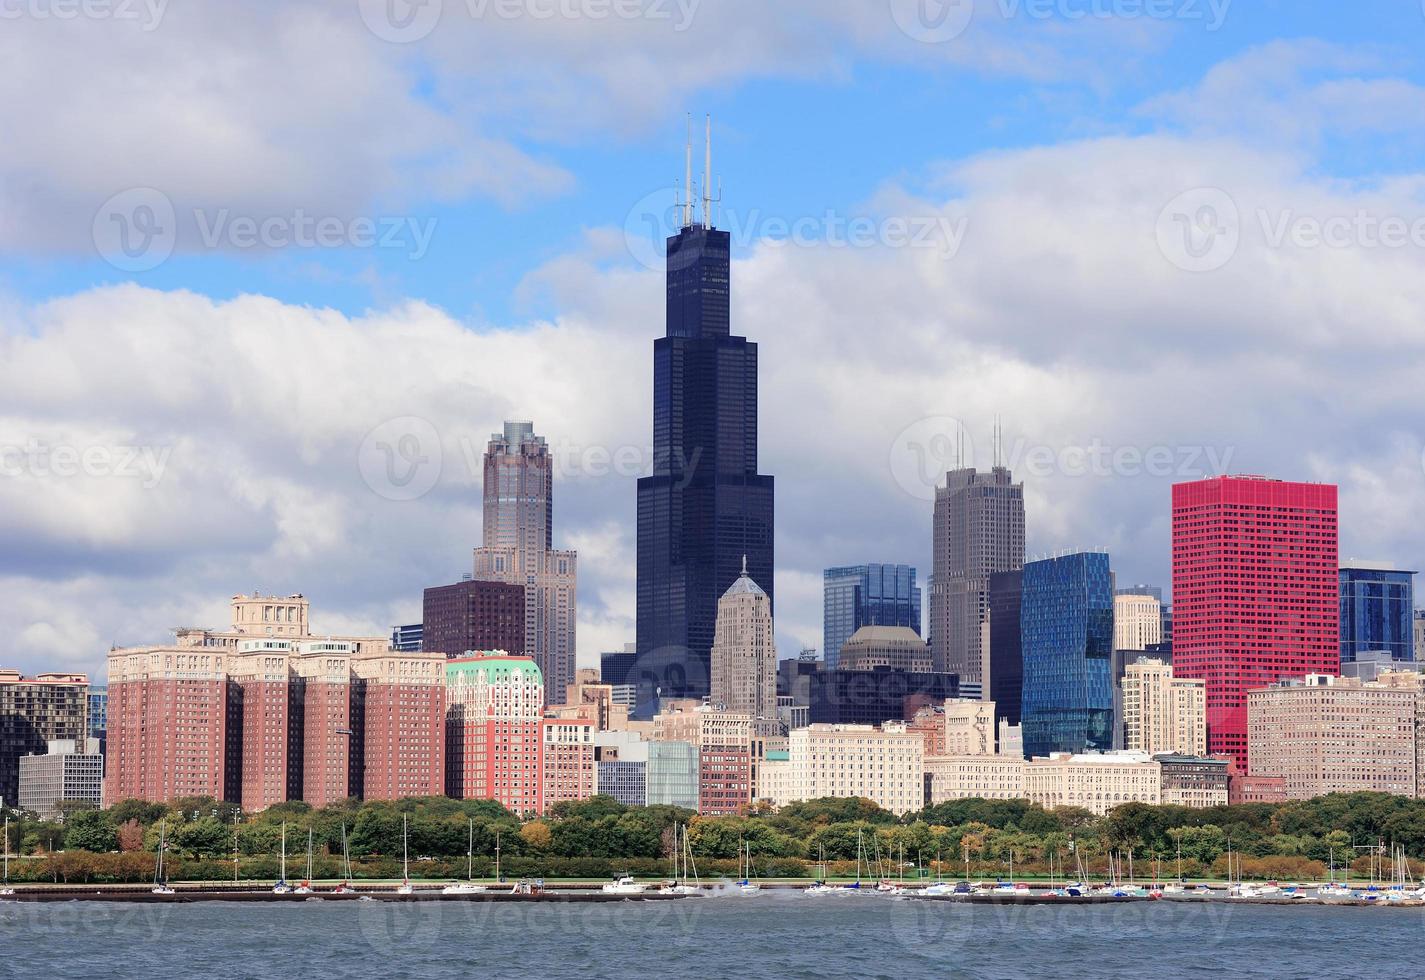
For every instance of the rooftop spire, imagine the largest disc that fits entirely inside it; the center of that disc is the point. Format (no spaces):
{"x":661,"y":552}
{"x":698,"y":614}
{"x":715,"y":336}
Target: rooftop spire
{"x":688,"y":177}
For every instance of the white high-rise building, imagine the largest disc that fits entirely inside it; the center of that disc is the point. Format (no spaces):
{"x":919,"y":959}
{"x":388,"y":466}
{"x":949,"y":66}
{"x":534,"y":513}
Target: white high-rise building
{"x":1137,"y":622}
{"x":1163,"y":713}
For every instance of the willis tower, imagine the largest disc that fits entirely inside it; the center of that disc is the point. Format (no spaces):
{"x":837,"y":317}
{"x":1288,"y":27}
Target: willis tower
{"x":705,"y":506}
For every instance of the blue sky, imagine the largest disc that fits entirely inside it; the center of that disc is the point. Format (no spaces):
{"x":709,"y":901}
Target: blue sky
{"x":1054,"y":165}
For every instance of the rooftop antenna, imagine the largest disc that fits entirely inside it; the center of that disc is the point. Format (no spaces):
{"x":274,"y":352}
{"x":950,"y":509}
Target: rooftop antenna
{"x":688,"y":176}
{"x":707,"y":171}
{"x":999,"y":439}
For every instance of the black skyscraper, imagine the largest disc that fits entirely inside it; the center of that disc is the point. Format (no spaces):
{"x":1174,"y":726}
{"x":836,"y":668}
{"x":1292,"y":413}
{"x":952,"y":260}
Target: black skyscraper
{"x":705,"y":506}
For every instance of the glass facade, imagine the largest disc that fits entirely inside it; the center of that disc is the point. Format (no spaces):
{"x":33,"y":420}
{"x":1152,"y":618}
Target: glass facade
{"x":705,"y":506}
{"x":1377,"y":606}
{"x":1004,"y":677}
{"x":866,"y":595}
{"x":673,"y":774}
{"x":1066,"y":636}
{"x":624,"y":781}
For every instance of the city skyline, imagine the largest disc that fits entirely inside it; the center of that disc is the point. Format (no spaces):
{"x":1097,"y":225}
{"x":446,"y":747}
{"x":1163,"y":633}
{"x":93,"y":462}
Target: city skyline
{"x":546,"y":311}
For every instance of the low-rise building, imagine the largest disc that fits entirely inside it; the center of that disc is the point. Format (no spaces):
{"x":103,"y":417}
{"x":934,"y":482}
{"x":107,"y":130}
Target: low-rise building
{"x":71,"y":771}
{"x":1325,"y":734}
{"x":1096,"y":781}
{"x":893,"y":647}
{"x":883,"y":764}
{"x":973,"y":777}
{"x":673,"y":774}
{"x":1193,"y":781}
{"x":724,"y":744}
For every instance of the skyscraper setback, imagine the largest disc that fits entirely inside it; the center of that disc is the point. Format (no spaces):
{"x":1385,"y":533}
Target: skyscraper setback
{"x":978,"y":530}
{"x":1255,"y":592}
{"x":705,"y":505}
{"x":518,"y":548}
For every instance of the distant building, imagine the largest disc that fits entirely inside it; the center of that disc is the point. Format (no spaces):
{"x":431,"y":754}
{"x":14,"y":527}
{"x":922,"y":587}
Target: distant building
{"x":1325,"y":734}
{"x":1420,"y":635}
{"x":974,"y":777}
{"x":495,"y":731}
{"x":615,"y":668}
{"x":407,"y":639}
{"x":568,"y":762}
{"x":593,"y":701}
{"x":885,"y":765}
{"x":98,"y":713}
{"x":1137,"y":621}
{"x":969,"y":727}
{"x":518,"y":549}
{"x":744,"y":652}
{"x":1377,"y":610}
{"x":1004,"y":680}
{"x":68,"y":772}
{"x":1255,"y":591}
{"x":1098,"y":782}
{"x":1163,"y":713}
{"x":724,"y":743}
{"x":854,"y":596}
{"x":35,"y":711}
{"x":870,"y":697}
{"x":895,"y":647}
{"x":621,"y":767}
{"x":1066,"y":622}
{"x":1242,"y":788}
{"x":978,"y":529}
{"x":674,"y":774}
{"x":1193,"y":781}
{"x":473,"y":617}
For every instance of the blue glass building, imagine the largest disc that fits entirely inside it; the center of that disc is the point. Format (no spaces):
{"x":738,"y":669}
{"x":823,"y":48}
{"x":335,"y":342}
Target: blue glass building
{"x":705,"y":506}
{"x":865,"y":595}
{"x":1066,"y":639}
{"x":1377,"y":610}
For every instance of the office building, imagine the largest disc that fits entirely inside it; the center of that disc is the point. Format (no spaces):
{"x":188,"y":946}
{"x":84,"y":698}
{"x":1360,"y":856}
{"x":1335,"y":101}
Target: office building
{"x":705,"y":506}
{"x":1137,"y":621}
{"x":870,"y":697}
{"x":1004,"y":672}
{"x":35,"y":711}
{"x":474,"y":617}
{"x":494,"y":731}
{"x":1066,"y":625}
{"x":893,"y":647}
{"x":973,"y":777}
{"x":1163,"y":713}
{"x":883,"y":764}
{"x":1377,"y":610}
{"x":854,"y":596}
{"x":1420,"y":635}
{"x":518,"y":549}
{"x":615,"y":667}
{"x":978,"y":530}
{"x":673,"y":774}
{"x":1096,"y":781}
{"x":98,"y":713}
{"x":744,"y":653}
{"x":1255,"y":592}
{"x":969,"y":727}
{"x":724,"y":743}
{"x":68,"y":772}
{"x":407,"y":639}
{"x":1325,"y":734}
{"x":568,"y":764}
{"x":1193,"y":781}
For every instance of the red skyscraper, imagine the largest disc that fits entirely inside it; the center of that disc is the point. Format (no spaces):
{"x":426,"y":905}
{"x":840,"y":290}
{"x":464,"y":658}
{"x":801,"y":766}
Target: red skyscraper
{"x":1255,"y":592}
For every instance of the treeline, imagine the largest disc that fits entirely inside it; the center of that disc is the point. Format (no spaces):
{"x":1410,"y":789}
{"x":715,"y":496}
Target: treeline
{"x":599,"y":836}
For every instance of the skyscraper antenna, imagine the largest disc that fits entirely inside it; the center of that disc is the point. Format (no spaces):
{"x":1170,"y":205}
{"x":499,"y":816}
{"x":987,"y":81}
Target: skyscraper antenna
{"x":707,"y":171}
{"x":688,"y":176}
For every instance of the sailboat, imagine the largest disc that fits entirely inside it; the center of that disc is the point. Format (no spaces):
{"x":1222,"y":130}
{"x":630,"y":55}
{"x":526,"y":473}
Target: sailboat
{"x":404,"y":888}
{"x":160,"y":880}
{"x":345,"y":888}
{"x":305,"y":888}
{"x":685,"y":874}
{"x":1177,"y":888}
{"x":821,"y":885}
{"x":282,"y":888}
{"x":468,"y":886}
{"x":747,"y":886}
{"x":5,"y":888}
{"x":860,"y":850}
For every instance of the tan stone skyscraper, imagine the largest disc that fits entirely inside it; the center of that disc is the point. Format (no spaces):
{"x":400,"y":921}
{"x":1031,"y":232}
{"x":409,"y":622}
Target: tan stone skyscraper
{"x":518,"y":548}
{"x":744,"y":654}
{"x":1163,"y":713}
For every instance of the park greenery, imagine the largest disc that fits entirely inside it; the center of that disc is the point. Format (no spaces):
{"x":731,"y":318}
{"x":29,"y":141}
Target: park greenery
{"x":598,"y":837}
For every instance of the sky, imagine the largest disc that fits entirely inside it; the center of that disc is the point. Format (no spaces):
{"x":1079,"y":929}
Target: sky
{"x":272,"y":272}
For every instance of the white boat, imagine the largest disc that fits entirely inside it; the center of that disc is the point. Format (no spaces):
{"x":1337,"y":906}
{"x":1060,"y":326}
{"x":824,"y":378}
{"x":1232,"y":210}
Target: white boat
{"x":405,"y":888}
{"x":746,"y":886}
{"x":468,"y":886}
{"x":683,"y":867}
{"x":624,"y":885}
{"x":1333,"y":890}
{"x":160,"y":880}
{"x":282,"y":888}
{"x":305,"y":887}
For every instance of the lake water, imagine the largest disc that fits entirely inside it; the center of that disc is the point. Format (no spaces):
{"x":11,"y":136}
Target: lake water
{"x":768,"y":936}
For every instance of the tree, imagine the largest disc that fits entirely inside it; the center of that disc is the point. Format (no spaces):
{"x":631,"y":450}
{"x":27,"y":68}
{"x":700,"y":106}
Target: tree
{"x":90,"y":830}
